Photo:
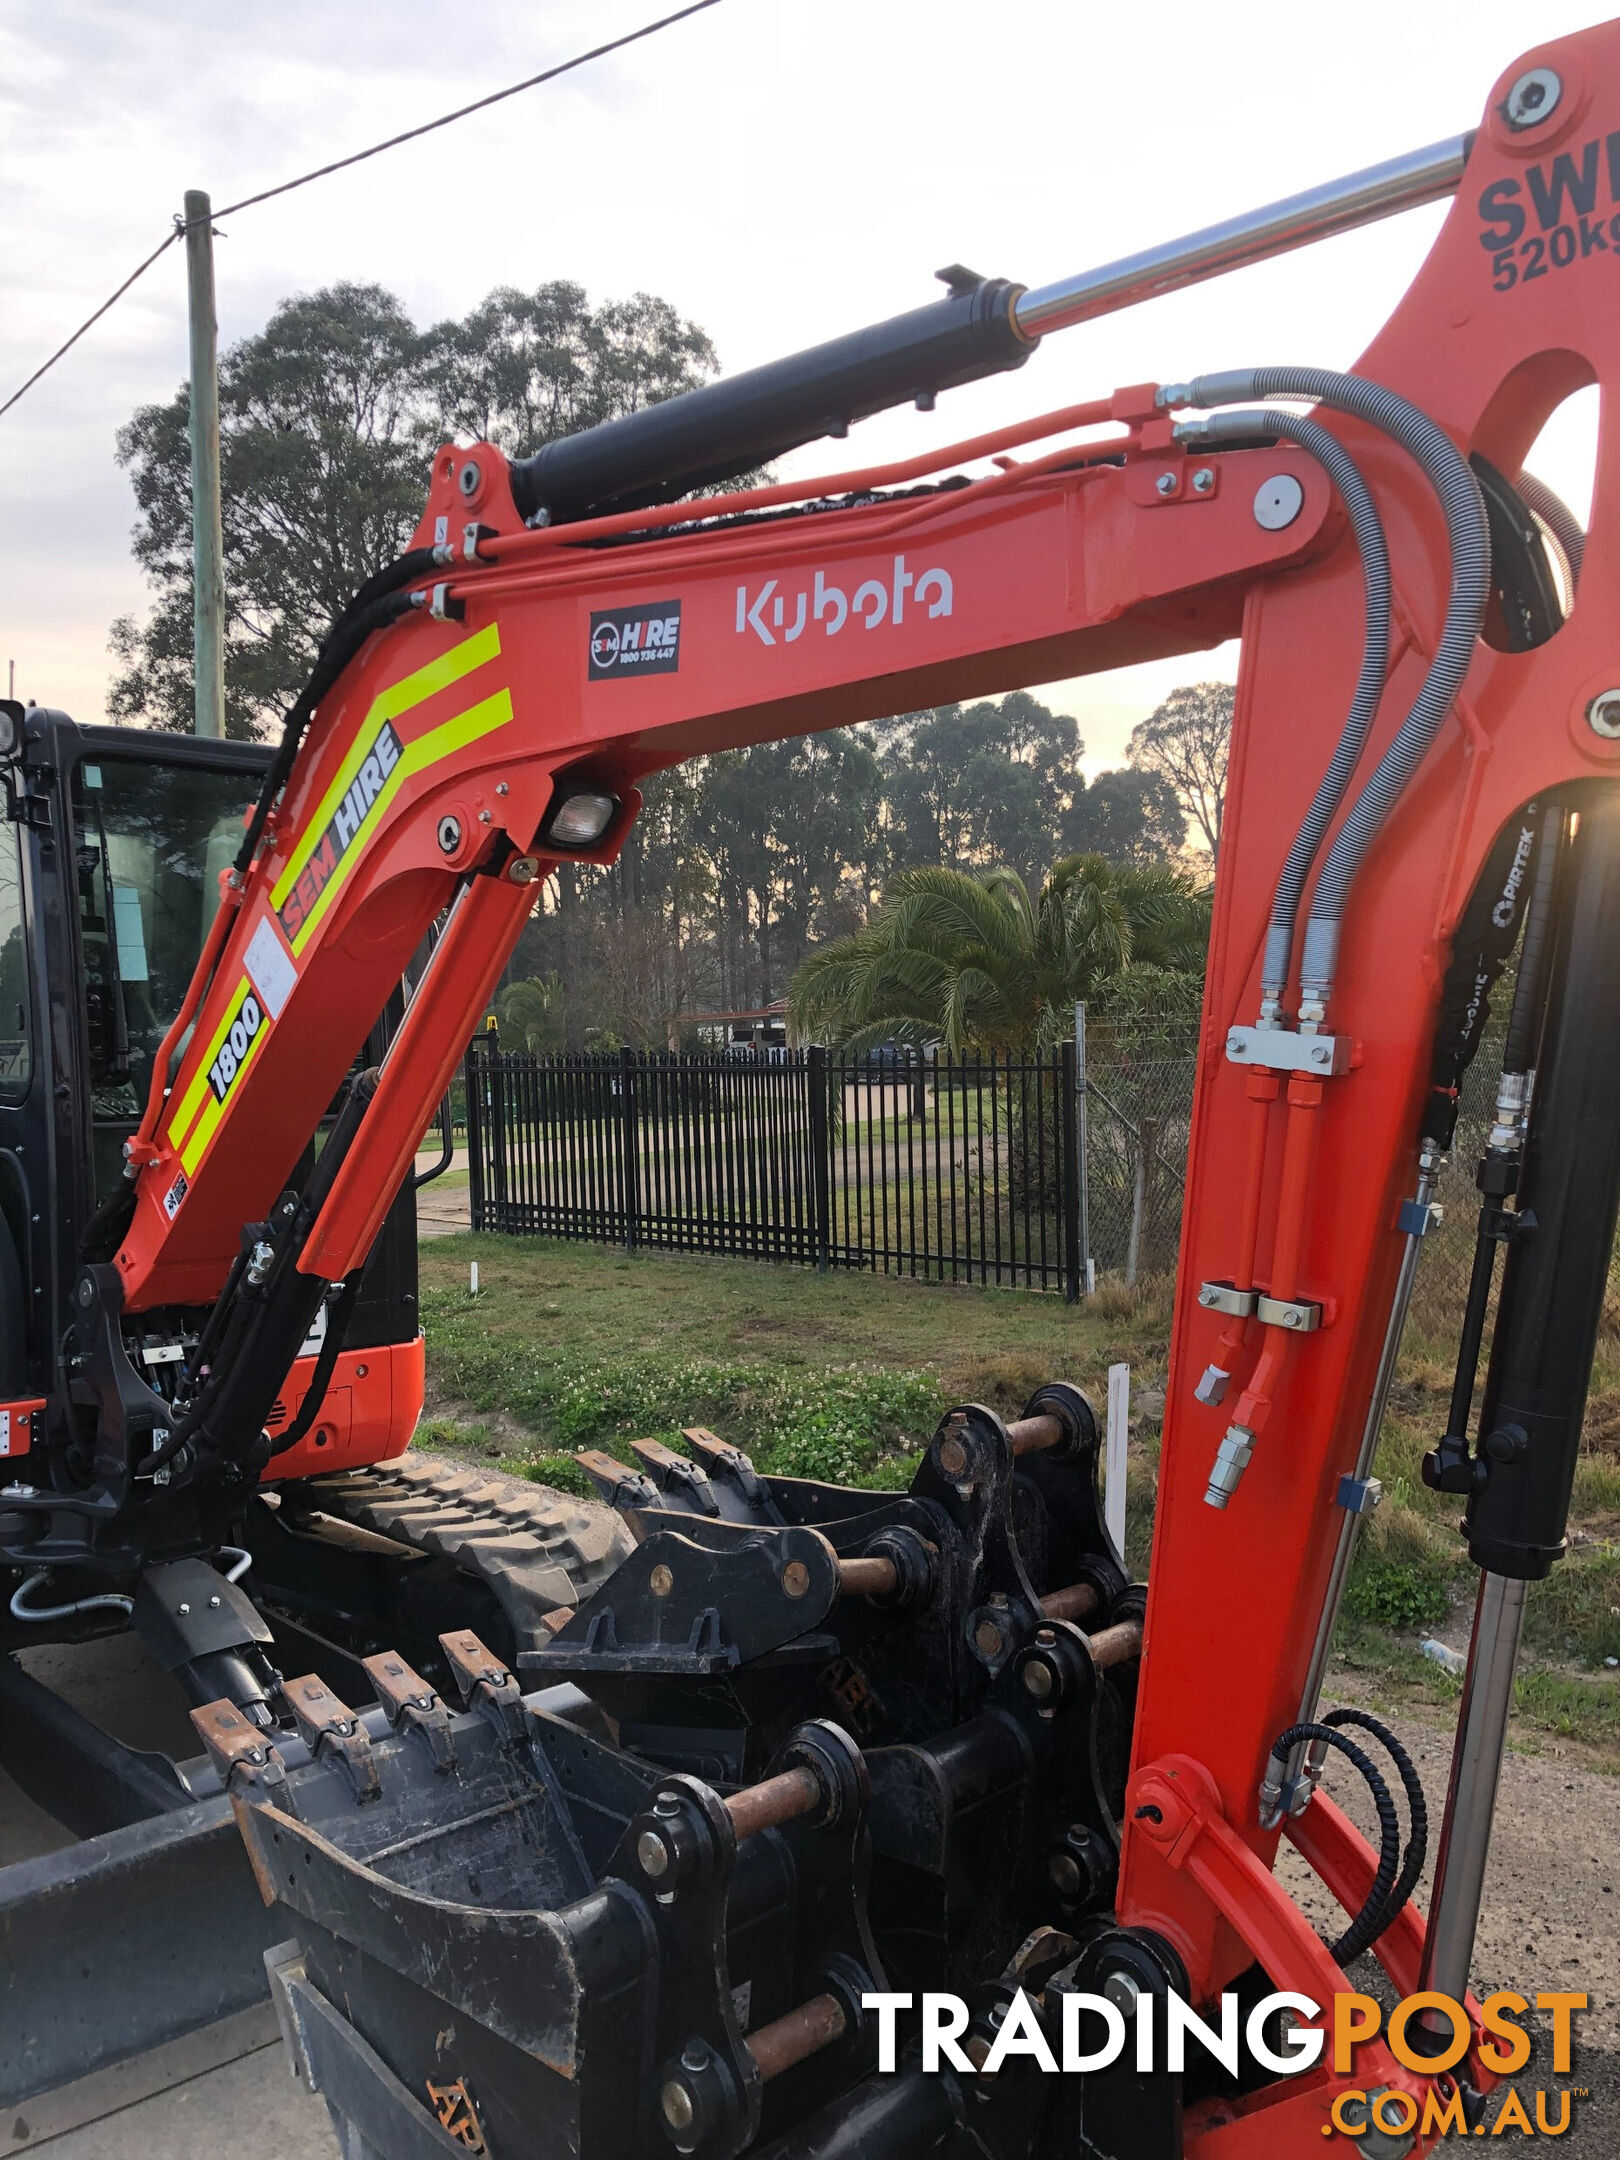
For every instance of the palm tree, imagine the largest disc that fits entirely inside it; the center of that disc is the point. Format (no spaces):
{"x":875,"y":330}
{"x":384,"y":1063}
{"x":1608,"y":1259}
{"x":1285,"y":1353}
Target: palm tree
{"x":532,"y":1012}
{"x":959,"y":959}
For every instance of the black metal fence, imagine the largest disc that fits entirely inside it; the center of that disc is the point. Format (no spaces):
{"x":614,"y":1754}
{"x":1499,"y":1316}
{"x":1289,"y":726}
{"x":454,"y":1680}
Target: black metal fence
{"x":949,"y":1170}
{"x":986,"y":1169}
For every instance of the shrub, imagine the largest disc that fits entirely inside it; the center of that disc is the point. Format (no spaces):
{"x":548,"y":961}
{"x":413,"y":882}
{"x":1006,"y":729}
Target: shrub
{"x":1397,"y":1593}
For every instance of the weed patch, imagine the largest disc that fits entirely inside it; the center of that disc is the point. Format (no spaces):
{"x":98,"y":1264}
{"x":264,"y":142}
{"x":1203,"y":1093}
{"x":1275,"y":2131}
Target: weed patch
{"x":838,"y":1423}
{"x":1397,"y":1593}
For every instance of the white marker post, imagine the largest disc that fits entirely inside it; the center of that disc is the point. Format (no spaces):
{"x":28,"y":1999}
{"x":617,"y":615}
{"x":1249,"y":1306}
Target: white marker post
{"x":472,"y":1279}
{"x":1119,"y":1420}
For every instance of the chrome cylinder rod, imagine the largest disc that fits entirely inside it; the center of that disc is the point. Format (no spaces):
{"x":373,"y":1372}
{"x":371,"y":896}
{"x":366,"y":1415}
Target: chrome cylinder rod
{"x":1359,"y":1491}
{"x":1476,"y":1765}
{"x":1401,"y":183}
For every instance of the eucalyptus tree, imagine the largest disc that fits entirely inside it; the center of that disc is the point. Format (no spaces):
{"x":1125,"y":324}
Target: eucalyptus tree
{"x":329,"y":417}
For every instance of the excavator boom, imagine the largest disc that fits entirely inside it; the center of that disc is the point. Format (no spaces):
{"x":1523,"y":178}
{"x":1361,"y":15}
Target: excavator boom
{"x":1423,"y":763}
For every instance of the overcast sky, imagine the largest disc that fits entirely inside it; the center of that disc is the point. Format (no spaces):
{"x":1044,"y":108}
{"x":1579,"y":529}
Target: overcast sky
{"x":781,"y":170}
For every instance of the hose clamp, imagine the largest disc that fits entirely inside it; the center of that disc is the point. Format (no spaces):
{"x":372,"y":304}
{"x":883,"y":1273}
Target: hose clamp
{"x":1284,"y":1050}
{"x":1225,"y":1297}
{"x":1300,"y":1316}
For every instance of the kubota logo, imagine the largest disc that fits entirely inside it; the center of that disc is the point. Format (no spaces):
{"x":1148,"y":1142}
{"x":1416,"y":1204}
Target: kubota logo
{"x":771,"y":614}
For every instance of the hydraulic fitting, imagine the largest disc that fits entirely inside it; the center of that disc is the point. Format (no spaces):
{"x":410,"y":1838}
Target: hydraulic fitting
{"x":1211,"y":1389}
{"x":1231,"y":1460}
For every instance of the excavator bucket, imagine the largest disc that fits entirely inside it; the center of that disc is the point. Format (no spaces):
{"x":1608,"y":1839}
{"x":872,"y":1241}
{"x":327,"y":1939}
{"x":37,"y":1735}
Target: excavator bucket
{"x":631,"y":1896}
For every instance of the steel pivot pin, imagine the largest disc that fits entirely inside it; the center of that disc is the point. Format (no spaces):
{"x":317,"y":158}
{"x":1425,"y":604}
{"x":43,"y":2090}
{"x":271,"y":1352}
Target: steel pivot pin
{"x":1533,"y":98}
{"x":1278,"y":502}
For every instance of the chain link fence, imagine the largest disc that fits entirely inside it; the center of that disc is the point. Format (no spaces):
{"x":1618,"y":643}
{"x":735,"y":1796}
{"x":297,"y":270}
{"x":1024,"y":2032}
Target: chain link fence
{"x":1136,"y":1127}
{"x":1138,"y":1124}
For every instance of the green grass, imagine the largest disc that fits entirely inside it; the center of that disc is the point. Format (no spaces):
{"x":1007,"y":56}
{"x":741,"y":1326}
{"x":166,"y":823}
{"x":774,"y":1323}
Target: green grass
{"x":844,"y":1376}
{"x":836,"y":1376}
{"x":1575,"y":1614}
{"x":1396,"y":1676}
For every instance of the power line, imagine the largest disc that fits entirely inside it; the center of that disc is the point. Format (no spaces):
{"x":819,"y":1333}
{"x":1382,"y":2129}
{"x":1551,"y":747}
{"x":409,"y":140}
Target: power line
{"x":247,"y":202}
{"x":565,"y":67}
{"x":90,"y":320}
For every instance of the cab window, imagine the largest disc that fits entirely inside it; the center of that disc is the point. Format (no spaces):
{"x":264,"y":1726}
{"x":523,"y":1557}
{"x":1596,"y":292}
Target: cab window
{"x":151,"y":841}
{"x":16,"y":1047}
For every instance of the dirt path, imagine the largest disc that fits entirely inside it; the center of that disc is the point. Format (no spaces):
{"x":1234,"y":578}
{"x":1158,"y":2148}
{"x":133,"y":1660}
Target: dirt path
{"x":443,"y":1206}
{"x":1551,"y":1917}
{"x":1551,"y":1921}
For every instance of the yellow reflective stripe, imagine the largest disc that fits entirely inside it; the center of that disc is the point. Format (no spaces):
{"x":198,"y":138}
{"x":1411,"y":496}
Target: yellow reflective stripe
{"x":192,"y":1098}
{"x":439,"y":742}
{"x":399,"y":697}
{"x":213,"y":1110}
{"x":200,"y":1109}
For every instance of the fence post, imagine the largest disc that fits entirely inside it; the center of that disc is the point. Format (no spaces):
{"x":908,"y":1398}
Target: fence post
{"x":498,"y":1134}
{"x":1088,"y":1281}
{"x":1147,"y":1134}
{"x":629,"y":1179}
{"x":475,"y":1139}
{"x":1072,"y":1263}
{"x":820,"y":1153}
{"x":1119,"y":1431}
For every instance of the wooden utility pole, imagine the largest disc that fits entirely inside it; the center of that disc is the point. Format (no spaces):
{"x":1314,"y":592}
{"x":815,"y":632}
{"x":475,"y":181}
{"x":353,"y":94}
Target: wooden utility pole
{"x":207,"y":540}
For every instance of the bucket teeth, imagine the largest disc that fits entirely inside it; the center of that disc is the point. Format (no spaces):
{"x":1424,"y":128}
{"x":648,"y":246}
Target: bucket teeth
{"x":411,"y":1705}
{"x":727,"y":1463}
{"x":324,"y":1722}
{"x":676,"y":1476}
{"x":243,"y":1754}
{"x":616,"y":1481}
{"x":483,"y":1681}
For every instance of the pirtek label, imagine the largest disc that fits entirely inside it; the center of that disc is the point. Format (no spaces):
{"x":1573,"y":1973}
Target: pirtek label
{"x":339,"y":835}
{"x":634,"y":641}
{"x":1559,"y":199}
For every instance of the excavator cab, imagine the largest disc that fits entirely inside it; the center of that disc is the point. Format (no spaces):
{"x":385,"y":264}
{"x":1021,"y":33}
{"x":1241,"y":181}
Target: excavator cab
{"x":109,"y":877}
{"x":111,"y":856}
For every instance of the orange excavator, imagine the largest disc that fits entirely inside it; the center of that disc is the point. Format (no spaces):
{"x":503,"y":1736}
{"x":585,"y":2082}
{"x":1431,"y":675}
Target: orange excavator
{"x":636,"y":1864}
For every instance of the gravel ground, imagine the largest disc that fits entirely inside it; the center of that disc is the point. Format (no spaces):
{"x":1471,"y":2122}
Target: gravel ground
{"x":1551,"y":1917}
{"x":1551,"y":1921}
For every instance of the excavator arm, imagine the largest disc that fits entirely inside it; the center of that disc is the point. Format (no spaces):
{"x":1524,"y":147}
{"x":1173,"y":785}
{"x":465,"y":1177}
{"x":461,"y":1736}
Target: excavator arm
{"x":1417,"y":729}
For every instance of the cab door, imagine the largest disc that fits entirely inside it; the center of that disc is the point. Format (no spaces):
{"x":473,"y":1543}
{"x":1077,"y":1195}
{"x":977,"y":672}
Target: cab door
{"x":24,"y":1141}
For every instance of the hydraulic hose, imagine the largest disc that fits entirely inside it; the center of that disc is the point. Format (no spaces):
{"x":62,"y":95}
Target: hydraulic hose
{"x":338,"y":1317}
{"x":378,"y":603}
{"x":1523,"y":1037}
{"x":1454,"y":484}
{"x":1369,"y":1923}
{"x":1417,"y":1842}
{"x":243,"y":1310}
{"x":1559,"y":519}
{"x":1274,"y":423}
{"x":20,"y":1609}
